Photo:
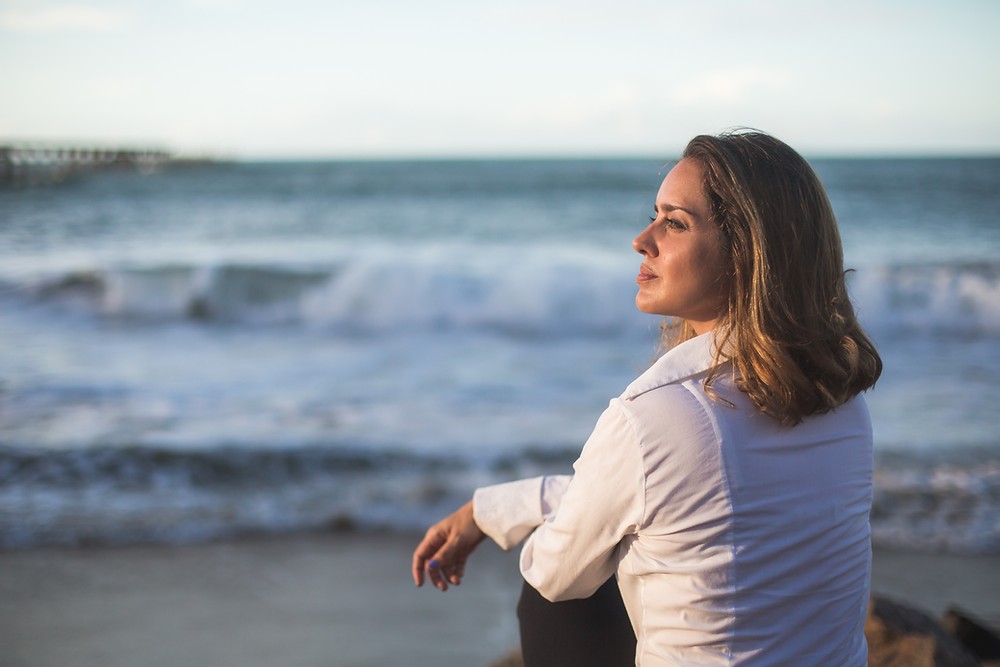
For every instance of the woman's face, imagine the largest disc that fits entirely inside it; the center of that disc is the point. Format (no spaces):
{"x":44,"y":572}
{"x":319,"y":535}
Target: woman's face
{"x":682,"y":272}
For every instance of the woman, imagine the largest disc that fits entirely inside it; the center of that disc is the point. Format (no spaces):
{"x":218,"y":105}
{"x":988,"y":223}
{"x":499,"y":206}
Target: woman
{"x":727,"y":488}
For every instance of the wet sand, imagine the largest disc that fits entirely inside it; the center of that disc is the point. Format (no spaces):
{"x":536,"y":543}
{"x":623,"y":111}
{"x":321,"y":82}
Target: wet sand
{"x":339,"y":600}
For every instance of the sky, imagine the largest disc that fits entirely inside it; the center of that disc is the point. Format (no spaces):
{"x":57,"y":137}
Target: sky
{"x":259,"y":79}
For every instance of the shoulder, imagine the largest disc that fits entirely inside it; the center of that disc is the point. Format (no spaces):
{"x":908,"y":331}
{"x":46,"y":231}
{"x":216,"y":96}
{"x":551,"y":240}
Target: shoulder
{"x":674,"y":412}
{"x":671,"y":394}
{"x":678,"y":436}
{"x":688,"y":360}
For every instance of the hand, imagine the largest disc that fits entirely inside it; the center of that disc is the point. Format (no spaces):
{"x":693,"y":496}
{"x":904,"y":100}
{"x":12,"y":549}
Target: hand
{"x":446,"y":547}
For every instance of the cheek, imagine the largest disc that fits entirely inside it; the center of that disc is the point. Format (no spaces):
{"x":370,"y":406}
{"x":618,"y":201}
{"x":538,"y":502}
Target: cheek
{"x":700,"y":262}
{"x":713,"y":263}
{"x":709,"y":265}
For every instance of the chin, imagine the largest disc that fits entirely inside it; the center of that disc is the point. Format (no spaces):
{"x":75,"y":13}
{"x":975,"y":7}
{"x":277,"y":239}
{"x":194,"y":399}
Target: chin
{"x":647,"y":308}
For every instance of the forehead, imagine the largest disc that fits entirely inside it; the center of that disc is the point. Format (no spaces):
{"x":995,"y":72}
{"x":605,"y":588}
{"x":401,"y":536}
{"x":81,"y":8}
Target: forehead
{"x":682,"y":188}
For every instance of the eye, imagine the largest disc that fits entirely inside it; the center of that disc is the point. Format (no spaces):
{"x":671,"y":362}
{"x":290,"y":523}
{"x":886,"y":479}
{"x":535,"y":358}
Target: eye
{"x":669,"y":223}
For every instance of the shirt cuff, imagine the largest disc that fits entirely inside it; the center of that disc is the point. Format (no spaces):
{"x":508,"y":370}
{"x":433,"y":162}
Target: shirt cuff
{"x":508,"y":512}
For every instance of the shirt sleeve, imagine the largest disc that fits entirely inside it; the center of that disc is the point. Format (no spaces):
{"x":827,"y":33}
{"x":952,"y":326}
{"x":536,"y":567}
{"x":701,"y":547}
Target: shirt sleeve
{"x":573,"y":552}
{"x":508,"y":512}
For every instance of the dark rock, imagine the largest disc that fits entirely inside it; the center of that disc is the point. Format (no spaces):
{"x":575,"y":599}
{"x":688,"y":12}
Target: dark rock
{"x":901,"y":636}
{"x":974,"y":635}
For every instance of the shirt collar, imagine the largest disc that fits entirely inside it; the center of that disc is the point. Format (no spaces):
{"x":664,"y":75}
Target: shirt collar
{"x":690,"y":358}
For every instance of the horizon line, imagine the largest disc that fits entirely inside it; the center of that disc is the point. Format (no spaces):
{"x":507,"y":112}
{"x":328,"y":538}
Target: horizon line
{"x":231,"y":155}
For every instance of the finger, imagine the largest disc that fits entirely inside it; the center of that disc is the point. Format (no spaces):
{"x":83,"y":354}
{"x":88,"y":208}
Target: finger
{"x":424,"y":552}
{"x":442,"y":567}
{"x":435,"y":573}
{"x":418,"y":570}
{"x":453,"y":573}
{"x":419,"y":564}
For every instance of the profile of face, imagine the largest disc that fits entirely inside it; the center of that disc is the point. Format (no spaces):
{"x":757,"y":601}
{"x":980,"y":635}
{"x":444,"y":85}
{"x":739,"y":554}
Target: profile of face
{"x":683,"y":268}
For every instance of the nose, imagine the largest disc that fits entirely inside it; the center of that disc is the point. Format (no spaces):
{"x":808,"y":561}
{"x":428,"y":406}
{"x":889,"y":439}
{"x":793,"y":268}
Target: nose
{"x":643,"y":243}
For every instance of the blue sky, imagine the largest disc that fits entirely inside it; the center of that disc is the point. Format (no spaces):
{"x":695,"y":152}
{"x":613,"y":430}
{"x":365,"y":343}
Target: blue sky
{"x":328,"y":78}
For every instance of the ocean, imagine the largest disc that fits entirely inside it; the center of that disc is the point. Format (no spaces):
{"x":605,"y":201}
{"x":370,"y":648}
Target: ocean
{"x":239,"y":348}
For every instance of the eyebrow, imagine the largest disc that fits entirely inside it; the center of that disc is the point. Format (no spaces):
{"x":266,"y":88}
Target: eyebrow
{"x":667,"y":208}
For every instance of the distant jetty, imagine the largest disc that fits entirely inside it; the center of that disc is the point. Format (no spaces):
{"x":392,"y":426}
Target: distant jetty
{"x":39,"y":163}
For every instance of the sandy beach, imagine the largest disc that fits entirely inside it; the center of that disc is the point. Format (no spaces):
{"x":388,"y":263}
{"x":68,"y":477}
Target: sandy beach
{"x":338,"y":600}
{"x":327,"y":601}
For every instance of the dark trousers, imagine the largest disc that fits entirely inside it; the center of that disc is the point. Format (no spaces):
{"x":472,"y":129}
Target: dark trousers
{"x":594,"y":632}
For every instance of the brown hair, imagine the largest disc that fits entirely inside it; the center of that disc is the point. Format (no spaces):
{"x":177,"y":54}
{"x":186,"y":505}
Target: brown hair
{"x":787,"y":326}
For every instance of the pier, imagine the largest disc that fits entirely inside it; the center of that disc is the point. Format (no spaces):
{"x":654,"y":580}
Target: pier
{"x":38,"y":163}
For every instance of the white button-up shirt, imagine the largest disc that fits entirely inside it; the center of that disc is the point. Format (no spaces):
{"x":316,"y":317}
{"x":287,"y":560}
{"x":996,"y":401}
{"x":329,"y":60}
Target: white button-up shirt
{"x":735,"y":540}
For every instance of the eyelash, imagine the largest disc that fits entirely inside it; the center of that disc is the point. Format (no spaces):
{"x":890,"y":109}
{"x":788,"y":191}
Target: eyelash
{"x":670,"y":222}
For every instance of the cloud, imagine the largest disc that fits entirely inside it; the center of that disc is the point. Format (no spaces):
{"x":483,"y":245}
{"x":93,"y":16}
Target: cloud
{"x":729,"y":86}
{"x":75,"y":18}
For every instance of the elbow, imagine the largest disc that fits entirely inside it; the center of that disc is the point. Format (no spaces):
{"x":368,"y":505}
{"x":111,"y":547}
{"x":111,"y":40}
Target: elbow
{"x":553,"y":594}
{"x":559,"y":573}
{"x":555,"y":589}
{"x":544,"y":577}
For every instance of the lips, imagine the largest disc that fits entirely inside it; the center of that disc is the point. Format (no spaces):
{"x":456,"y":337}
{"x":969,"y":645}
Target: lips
{"x":645,"y":275}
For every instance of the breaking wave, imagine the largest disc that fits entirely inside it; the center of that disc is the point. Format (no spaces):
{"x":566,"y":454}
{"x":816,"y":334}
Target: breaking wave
{"x":143,"y":494}
{"x":537,"y":292}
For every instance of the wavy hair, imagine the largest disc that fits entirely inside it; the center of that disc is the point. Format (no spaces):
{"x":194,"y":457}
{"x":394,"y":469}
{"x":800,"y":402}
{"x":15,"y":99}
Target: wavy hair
{"x":787,"y":325}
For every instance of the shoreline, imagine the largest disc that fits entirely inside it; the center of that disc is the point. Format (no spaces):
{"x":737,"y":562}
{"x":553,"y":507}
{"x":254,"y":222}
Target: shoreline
{"x":935,"y":582}
{"x":338,"y":599}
